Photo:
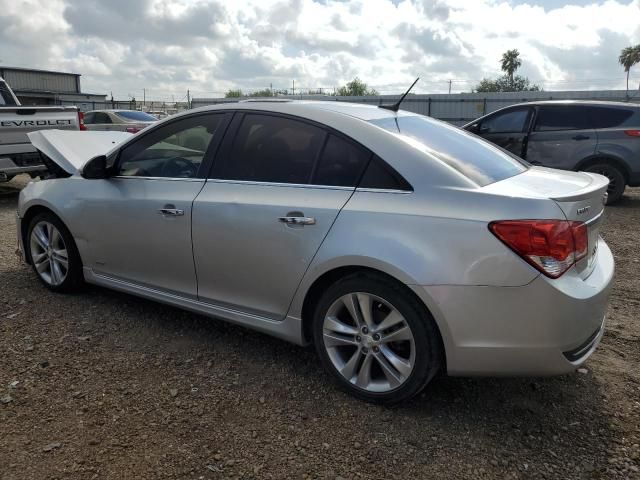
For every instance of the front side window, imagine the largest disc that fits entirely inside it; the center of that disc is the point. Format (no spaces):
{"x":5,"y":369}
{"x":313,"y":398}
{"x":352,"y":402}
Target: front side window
{"x":175,"y":150}
{"x":473,"y":157}
{"x":561,"y":117}
{"x":514,"y":121}
{"x":272,"y":149}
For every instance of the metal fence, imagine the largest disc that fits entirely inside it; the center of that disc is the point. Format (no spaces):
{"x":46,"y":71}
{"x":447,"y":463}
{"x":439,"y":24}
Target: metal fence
{"x":457,"y":109}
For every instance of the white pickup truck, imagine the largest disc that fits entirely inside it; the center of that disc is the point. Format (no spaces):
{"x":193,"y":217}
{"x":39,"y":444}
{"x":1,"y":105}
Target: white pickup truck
{"x":17,"y":155}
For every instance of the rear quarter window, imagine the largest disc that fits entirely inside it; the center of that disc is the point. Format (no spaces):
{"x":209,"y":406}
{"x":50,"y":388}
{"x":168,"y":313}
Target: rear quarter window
{"x":610,"y":117}
{"x":476,"y":159}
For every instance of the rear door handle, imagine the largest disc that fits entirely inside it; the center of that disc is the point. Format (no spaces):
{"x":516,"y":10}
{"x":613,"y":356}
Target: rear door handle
{"x":298,"y":220}
{"x":171,"y":210}
{"x":581,"y":137}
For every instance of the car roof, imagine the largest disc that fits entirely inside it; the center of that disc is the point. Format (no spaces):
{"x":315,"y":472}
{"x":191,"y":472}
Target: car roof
{"x":604,"y":103}
{"x":303,"y":107}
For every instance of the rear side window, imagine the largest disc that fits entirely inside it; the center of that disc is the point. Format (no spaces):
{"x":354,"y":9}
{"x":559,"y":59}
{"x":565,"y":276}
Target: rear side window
{"x":341,"y":163}
{"x":471,"y":156}
{"x":604,"y":117}
{"x":101,"y":117}
{"x":89,"y":118}
{"x":380,"y":175}
{"x":561,"y":117}
{"x":273,"y":149}
{"x":514,"y":121}
{"x":137,"y":116}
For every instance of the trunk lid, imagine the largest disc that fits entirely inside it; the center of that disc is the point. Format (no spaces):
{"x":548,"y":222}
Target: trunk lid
{"x":71,"y":150}
{"x":580,"y":195}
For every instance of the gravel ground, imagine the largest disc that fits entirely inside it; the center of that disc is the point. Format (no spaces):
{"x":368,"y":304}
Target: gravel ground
{"x":106,"y":385}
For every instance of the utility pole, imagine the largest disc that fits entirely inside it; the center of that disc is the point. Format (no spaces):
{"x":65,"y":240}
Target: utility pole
{"x":188,"y":99}
{"x":293,"y":89}
{"x":449,"y":87}
{"x":144,"y":97}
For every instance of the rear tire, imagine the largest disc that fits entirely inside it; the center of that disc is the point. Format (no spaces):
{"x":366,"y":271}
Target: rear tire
{"x":376,"y":339}
{"x":617,"y":182}
{"x":53,"y":253}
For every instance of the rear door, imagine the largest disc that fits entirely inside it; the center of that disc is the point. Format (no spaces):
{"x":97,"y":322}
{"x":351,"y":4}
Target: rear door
{"x":561,"y":136}
{"x":275,"y":190}
{"x":508,"y":129}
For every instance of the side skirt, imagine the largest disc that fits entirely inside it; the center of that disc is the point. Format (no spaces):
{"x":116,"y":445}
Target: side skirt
{"x":289,"y":329}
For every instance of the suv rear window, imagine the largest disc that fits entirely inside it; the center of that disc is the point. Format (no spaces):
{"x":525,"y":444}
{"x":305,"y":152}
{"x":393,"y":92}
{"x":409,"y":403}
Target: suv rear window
{"x":476,"y":159}
{"x":607,"y":117}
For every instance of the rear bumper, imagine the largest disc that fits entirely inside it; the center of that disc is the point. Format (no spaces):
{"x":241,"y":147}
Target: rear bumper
{"x":544,"y":328}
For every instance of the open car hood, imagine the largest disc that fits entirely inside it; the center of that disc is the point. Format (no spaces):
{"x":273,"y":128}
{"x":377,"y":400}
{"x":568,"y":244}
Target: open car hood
{"x":70,"y":150}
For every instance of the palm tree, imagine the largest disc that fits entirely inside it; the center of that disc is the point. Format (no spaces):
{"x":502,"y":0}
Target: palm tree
{"x":510,"y":63}
{"x":629,"y":56}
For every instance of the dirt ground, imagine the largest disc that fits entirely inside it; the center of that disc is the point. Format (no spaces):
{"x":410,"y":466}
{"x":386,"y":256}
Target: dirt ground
{"x":106,"y":385}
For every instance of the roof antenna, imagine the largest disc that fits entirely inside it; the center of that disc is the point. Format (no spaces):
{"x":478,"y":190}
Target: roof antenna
{"x":396,"y":106}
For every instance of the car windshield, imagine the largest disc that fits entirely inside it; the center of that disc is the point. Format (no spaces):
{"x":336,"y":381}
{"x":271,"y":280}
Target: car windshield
{"x":138,"y":116}
{"x":476,"y":159}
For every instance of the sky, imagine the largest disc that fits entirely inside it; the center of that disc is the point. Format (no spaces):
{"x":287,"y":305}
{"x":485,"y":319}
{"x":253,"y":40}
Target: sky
{"x":162,"y":48}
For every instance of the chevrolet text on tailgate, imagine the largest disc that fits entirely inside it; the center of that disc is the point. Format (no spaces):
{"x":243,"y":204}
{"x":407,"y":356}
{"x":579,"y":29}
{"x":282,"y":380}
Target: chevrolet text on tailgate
{"x":17,"y":155}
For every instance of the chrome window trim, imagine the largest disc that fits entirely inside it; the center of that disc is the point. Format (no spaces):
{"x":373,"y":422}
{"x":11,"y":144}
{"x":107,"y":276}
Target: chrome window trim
{"x":280,"y":184}
{"x":382,"y":190}
{"x":174,"y":179}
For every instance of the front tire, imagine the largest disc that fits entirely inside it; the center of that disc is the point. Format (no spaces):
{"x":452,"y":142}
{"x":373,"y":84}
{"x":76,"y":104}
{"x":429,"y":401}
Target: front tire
{"x":617,"y":182}
{"x":376,"y":339}
{"x":53,"y":253}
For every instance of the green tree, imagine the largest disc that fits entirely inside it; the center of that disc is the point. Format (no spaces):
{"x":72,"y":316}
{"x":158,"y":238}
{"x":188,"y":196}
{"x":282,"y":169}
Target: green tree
{"x":356,"y":88}
{"x":234,"y":93}
{"x":629,"y":56}
{"x":506,"y":84}
{"x":510,"y":62}
{"x":262,"y":93}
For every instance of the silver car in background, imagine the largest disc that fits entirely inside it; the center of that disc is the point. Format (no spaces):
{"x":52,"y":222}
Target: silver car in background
{"x":131,"y":121}
{"x":398,"y":245}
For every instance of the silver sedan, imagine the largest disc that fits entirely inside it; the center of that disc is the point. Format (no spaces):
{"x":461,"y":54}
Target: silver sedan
{"x":398,"y":245}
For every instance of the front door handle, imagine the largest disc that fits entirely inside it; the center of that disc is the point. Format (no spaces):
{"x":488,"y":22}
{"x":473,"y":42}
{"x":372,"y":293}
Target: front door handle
{"x":581,"y":137}
{"x":298,"y":220}
{"x":171,"y":210}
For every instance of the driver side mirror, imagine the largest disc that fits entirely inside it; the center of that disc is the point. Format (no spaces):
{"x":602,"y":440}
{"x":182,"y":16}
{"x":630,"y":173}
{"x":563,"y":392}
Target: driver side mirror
{"x":96,"y":168}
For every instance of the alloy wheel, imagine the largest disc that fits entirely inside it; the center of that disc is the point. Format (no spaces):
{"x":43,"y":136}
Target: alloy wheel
{"x":49,"y":253}
{"x":369,"y":342}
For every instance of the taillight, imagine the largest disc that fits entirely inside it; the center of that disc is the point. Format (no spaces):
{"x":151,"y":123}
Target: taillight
{"x":551,"y":246}
{"x":81,"y":120}
{"x":633,"y":133}
{"x":133,"y":129}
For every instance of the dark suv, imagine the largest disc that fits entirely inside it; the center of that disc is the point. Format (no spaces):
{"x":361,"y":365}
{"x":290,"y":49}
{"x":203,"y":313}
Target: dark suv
{"x":600,"y":137}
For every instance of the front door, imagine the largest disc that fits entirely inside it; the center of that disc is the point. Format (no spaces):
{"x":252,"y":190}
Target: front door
{"x":561,"y":136}
{"x":139,"y":221}
{"x":275,"y":192}
{"x":508,"y":129}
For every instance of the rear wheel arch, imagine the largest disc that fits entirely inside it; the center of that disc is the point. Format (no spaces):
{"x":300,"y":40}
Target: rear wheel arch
{"x":609,"y":159}
{"x":314,"y":293}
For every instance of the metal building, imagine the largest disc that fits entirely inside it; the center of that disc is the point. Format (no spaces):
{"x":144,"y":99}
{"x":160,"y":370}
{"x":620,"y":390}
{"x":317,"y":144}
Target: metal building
{"x":45,"y":87}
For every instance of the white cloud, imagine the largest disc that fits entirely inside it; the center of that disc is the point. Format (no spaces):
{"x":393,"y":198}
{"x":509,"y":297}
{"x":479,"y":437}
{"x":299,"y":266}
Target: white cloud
{"x":209,"y":46}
